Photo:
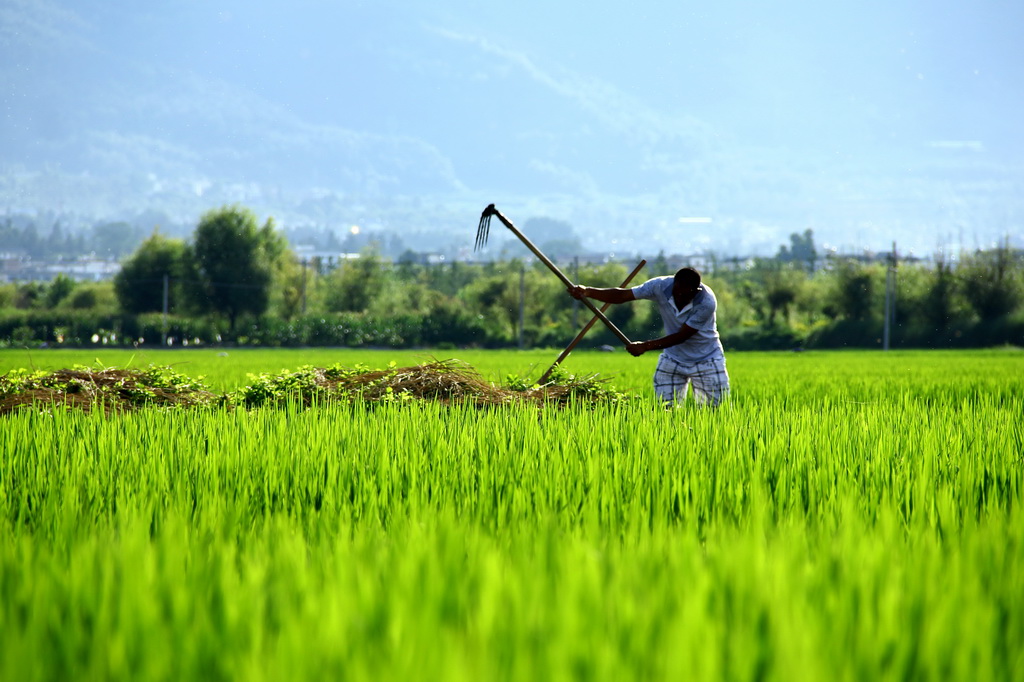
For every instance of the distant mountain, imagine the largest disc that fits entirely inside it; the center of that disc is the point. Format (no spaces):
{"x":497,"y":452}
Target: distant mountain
{"x":412,"y":118}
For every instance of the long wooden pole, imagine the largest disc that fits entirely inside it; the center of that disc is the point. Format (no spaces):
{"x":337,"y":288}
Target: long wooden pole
{"x":583,"y":332}
{"x":491,"y":210}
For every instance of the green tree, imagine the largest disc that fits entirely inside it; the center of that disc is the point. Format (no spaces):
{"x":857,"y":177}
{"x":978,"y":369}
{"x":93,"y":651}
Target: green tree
{"x":939,"y":306}
{"x":292,"y":288}
{"x":290,"y":278}
{"x":770,"y":289}
{"x":231,"y":263}
{"x":95,"y":297}
{"x":495,"y":299}
{"x":449,"y":279}
{"x":139,"y":286}
{"x":930,"y":309}
{"x":855,"y":291}
{"x":7,"y":294}
{"x":28,"y":295}
{"x":781,"y":288}
{"x":59,"y":289}
{"x":353,"y":286}
{"x":83,"y":299}
{"x":989,"y":284}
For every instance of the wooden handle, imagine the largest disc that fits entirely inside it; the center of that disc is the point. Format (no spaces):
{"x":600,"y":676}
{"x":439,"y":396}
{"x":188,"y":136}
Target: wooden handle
{"x":565,"y":280}
{"x":583,"y":332}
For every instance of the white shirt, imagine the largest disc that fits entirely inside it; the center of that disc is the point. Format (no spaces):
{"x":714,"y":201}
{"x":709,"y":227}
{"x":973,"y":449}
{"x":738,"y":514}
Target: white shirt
{"x":698,"y":314}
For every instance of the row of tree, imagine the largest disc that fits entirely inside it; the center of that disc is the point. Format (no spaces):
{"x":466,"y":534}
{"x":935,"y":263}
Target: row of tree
{"x":21,"y":236}
{"x":236,"y":280}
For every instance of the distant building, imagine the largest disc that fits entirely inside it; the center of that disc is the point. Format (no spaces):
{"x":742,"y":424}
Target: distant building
{"x":323,"y":261}
{"x":87,"y":269}
{"x":16,"y":267}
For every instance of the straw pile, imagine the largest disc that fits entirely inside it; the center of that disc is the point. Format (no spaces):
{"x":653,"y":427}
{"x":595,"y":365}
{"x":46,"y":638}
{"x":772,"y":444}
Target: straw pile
{"x":108,"y":389}
{"x":446,"y":382}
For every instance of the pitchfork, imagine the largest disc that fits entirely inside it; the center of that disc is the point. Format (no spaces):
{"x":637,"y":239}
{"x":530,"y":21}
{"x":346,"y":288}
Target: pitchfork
{"x":481,"y":238}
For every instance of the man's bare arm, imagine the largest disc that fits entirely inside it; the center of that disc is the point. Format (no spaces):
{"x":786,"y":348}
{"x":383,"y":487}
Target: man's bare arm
{"x":609,"y":295}
{"x":641,"y":347}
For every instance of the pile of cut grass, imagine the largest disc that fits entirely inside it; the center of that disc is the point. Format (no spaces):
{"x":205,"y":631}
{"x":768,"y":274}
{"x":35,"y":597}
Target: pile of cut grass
{"x":109,"y":389}
{"x":442,"y":381}
{"x":445,"y":381}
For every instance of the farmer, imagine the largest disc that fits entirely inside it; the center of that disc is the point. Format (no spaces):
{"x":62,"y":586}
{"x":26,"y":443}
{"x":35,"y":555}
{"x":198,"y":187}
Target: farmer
{"x":691,"y":351}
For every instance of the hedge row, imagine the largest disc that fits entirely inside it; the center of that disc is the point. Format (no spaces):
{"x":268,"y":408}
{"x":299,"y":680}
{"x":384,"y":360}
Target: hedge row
{"x":446,"y":328}
{"x":340,"y":329}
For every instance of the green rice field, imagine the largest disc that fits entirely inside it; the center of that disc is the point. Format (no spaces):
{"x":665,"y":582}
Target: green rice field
{"x":844,"y":516}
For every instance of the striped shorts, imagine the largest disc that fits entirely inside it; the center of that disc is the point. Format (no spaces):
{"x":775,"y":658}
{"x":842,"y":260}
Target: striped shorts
{"x":709,"y":378}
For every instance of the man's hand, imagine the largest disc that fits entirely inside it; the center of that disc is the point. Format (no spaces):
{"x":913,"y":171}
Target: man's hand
{"x":577,"y":291}
{"x":637,"y":348}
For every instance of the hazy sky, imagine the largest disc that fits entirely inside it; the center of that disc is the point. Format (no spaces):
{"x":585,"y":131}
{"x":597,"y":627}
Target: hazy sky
{"x":769,"y":117}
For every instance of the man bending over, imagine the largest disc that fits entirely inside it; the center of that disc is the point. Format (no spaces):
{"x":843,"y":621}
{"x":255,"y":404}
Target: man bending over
{"x":691,"y":351}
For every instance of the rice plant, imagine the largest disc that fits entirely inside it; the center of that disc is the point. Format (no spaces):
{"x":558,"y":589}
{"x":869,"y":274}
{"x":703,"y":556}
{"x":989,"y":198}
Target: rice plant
{"x":844,"y":516}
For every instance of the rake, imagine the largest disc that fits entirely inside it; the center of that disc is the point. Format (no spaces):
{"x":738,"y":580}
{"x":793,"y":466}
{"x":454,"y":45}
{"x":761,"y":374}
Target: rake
{"x":586,"y":328}
{"x":482,"y":232}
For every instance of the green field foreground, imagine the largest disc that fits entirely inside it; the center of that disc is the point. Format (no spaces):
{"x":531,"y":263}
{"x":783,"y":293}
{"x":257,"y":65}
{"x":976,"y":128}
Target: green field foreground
{"x":846,"y":516}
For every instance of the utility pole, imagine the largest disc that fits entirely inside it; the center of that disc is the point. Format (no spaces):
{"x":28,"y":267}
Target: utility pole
{"x":163,"y":336}
{"x":305,"y":264}
{"x":522,"y":303}
{"x":890,"y":298}
{"x":575,"y":303}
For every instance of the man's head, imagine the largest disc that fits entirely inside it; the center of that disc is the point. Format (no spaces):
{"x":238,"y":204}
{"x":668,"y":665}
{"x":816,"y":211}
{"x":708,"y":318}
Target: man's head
{"x":685,"y":285}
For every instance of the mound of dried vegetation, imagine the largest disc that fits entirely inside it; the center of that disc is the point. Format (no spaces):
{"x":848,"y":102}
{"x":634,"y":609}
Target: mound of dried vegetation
{"x":447,"y":382}
{"x":109,"y":389}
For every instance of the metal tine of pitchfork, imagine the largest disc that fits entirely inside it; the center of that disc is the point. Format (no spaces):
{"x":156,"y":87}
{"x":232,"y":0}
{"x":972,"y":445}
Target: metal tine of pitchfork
{"x":483,"y":230}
